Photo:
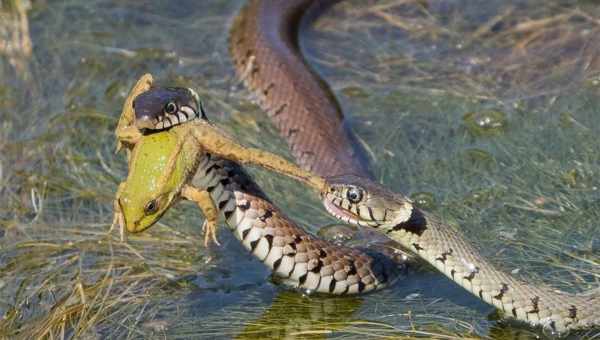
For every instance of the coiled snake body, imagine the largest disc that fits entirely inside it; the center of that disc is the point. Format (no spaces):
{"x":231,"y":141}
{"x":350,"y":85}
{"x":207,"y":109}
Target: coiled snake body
{"x":266,"y":55}
{"x":300,"y":259}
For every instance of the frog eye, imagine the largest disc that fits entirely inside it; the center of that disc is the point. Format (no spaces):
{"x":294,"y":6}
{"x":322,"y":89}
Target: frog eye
{"x":170,"y":108}
{"x":151,"y":207}
{"x":354,"y":194}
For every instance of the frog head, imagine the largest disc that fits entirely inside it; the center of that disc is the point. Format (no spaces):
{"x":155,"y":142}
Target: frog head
{"x":158,"y":170}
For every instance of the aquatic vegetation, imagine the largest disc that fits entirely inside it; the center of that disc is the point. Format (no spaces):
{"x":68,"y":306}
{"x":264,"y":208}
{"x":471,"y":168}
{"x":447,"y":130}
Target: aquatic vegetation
{"x":406,"y":74}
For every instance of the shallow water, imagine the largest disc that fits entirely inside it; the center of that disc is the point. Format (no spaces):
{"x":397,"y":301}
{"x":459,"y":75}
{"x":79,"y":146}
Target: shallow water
{"x":485,"y":112}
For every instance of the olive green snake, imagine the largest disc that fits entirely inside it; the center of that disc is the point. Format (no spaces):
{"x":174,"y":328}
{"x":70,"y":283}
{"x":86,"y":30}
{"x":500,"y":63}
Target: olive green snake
{"x":264,"y":47}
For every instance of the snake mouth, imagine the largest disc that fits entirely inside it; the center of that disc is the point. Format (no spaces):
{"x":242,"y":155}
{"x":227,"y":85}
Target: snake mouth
{"x":346,"y":216}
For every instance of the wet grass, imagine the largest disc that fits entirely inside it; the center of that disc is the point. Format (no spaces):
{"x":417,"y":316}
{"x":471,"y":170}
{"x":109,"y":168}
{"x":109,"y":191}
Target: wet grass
{"x":486,"y":110}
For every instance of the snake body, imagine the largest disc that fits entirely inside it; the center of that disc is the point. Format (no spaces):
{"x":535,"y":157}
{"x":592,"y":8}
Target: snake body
{"x":264,"y":47}
{"x":447,"y":250}
{"x":266,"y":55}
{"x":537,"y":304}
{"x":299,"y":258}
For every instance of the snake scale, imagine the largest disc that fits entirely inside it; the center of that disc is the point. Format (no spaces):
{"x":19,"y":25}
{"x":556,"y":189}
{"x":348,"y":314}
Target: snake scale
{"x":297,"y":257}
{"x":267,"y":57}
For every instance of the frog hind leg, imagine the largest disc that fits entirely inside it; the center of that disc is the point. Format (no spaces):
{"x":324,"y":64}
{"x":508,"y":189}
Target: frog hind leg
{"x":127,"y":136}
{"x":217,"y":142}
{"x":126,"y":132}
{"x":211,"y":214}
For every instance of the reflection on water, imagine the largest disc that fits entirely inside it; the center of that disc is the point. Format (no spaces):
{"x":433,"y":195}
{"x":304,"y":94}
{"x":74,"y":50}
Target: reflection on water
{"x":486,"y":114}
{"x":293,"y":315}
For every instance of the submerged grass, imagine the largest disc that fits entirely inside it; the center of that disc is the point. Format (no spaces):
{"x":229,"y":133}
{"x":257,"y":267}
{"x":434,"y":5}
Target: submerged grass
{"x":490,"y":110}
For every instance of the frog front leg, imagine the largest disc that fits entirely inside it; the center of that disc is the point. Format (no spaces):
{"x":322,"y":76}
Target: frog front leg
{"x":118,"y":219}
{"x":211,"y":214}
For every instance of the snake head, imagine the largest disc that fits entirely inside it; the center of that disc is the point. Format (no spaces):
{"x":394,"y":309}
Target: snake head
{"x":360,"y":201}
{"x":163,"y":107}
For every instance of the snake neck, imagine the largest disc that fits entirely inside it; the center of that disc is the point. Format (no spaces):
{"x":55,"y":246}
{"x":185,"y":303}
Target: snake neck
{"x":300,"y":259}
{"x":448,"y":251}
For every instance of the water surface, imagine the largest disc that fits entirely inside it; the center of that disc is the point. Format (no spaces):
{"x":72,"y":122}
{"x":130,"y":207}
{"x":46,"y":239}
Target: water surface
{"x":485,"y":112}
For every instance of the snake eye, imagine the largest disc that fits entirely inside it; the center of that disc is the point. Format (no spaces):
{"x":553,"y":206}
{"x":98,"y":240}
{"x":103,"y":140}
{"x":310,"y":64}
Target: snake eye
{"x":151,"y":207}
{"x":354,"y":194}
{"x":170,"y":108}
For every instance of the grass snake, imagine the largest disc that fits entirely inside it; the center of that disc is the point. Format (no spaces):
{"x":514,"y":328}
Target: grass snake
{"x":263,"y":43}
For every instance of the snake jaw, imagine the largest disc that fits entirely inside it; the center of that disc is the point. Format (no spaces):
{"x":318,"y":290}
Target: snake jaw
{"x":347,"y":216}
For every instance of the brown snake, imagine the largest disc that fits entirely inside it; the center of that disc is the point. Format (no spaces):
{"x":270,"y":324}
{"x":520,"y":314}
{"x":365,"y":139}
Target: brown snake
{"x":264,"y":46}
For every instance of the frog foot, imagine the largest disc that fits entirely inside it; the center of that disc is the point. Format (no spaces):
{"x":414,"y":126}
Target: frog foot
{"x":209,"y":229}
{"x":118,"y":218}
{"x":119,"y":221}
